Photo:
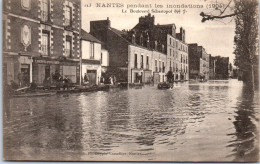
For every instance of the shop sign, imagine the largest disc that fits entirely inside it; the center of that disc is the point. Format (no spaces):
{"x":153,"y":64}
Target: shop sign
{"x":46,"y":61}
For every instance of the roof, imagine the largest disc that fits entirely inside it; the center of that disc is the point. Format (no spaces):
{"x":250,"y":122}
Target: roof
{"x":118,"y":32}
{"x":86,"y":36}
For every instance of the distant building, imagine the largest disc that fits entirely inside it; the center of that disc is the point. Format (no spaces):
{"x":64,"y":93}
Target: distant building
{"x":230,"y":70}
{"x":212,"y":67}
{"x":41,"y":37}
{"x":198,"y":62}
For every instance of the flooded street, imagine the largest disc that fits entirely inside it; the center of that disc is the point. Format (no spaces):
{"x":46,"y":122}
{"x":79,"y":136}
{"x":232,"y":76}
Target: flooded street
{"x":211,"y":121}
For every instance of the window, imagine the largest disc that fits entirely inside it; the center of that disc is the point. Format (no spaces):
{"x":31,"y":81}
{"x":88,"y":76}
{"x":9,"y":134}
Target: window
{"x":135,"y":61}
{"x":147,"y":62}
{"x":133,"y":38}
{"x":68,"y":46}
{"x":142,"y":61}
{"x":162,"y":48}
{"x":45,"y":43}
{"x":101,"y":58}
{"x":156,"y":68}
{"x":26,"y":4}
{"x":170,"y":41}
{"x":141,"y":40}
{"x":45,"y":10}
{"x":92,"y":51}
{"x":163,"y":68}
{"x":68,"y":14}
{"x":170,"y":51}
{"x":160,"y":69}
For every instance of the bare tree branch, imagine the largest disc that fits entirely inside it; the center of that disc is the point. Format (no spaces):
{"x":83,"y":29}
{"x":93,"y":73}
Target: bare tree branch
{"x":206,"y":17}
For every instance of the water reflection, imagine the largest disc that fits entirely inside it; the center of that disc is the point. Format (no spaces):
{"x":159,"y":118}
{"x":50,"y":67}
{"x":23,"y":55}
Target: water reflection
{"x":209,"y":121}
{"x":246,"y":144}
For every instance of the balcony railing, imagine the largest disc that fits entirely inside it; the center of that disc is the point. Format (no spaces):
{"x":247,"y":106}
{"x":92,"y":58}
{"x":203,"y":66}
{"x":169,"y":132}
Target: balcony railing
{"x":67,"y":52}
{"x":45,"y":50}
{"x":44,"y":16}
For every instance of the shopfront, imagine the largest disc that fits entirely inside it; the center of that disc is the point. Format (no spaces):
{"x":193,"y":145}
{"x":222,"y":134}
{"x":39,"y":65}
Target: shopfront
{"x":93,"y":72}
{"x":43,"y":69}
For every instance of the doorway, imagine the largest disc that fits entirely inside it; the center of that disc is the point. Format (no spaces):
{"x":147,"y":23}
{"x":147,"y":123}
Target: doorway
{"x":92,"y":76}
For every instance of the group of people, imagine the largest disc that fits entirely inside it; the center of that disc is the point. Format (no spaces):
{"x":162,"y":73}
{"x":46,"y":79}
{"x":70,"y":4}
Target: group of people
{"x":23,"y":79}
{"x":102,"y":80}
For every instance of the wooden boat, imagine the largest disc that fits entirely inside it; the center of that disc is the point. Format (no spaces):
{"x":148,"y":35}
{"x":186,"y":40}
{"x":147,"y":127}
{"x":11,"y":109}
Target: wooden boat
{"x":34,"y":94}
{"x":165,"y":85}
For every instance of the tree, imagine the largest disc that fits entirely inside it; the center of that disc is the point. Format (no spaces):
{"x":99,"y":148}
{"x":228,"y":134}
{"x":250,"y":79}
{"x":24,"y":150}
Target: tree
{"x":245,"y":13}
{"x":246,"y":38}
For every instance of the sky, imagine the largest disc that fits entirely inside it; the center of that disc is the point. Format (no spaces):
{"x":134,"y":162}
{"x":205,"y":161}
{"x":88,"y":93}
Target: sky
{"x":215,"y":36}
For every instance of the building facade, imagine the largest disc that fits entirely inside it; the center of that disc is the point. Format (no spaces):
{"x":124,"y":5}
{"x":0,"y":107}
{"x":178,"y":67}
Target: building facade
{"x":91,"y":58}
{"x":198,"y":62}
{"x":212,"y":67}
{"x":41,"y":37}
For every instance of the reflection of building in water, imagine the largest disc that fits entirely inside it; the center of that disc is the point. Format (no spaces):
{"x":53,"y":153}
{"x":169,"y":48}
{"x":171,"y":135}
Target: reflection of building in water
{"x":39,"y":38}
{"x":45,"y":126}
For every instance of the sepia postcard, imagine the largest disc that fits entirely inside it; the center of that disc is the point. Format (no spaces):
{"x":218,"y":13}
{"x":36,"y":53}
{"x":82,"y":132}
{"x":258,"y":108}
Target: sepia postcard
{"x":121,"y":80}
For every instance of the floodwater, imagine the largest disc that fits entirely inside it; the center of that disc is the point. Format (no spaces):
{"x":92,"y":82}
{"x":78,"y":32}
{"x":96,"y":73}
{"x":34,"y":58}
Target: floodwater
{"x":210,"y":121}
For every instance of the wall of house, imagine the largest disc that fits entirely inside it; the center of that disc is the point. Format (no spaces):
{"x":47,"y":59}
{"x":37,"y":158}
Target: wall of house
{"x":105,"y":58}
{"x":86,"y":50}
{"x":118,"y":50}
{"x":159,"y":57}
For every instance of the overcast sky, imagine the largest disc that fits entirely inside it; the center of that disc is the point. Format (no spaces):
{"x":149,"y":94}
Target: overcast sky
{"x":215,"y":36}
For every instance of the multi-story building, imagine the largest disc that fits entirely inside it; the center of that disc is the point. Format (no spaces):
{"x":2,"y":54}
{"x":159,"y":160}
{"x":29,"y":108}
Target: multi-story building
{"x":212,"y":67}
{"x":146,"y":52}
{"x":198,"y":62}
{"x":132,"y":61}
{"x":91,"y":58}
{"x":41,"y":37}
{"x":164,"y":38}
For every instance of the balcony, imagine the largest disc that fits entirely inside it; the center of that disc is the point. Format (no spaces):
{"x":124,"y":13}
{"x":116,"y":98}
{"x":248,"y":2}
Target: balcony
{"x":44,"y":16}
{"x":67,"y":53}
{"x":45,"y":50}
